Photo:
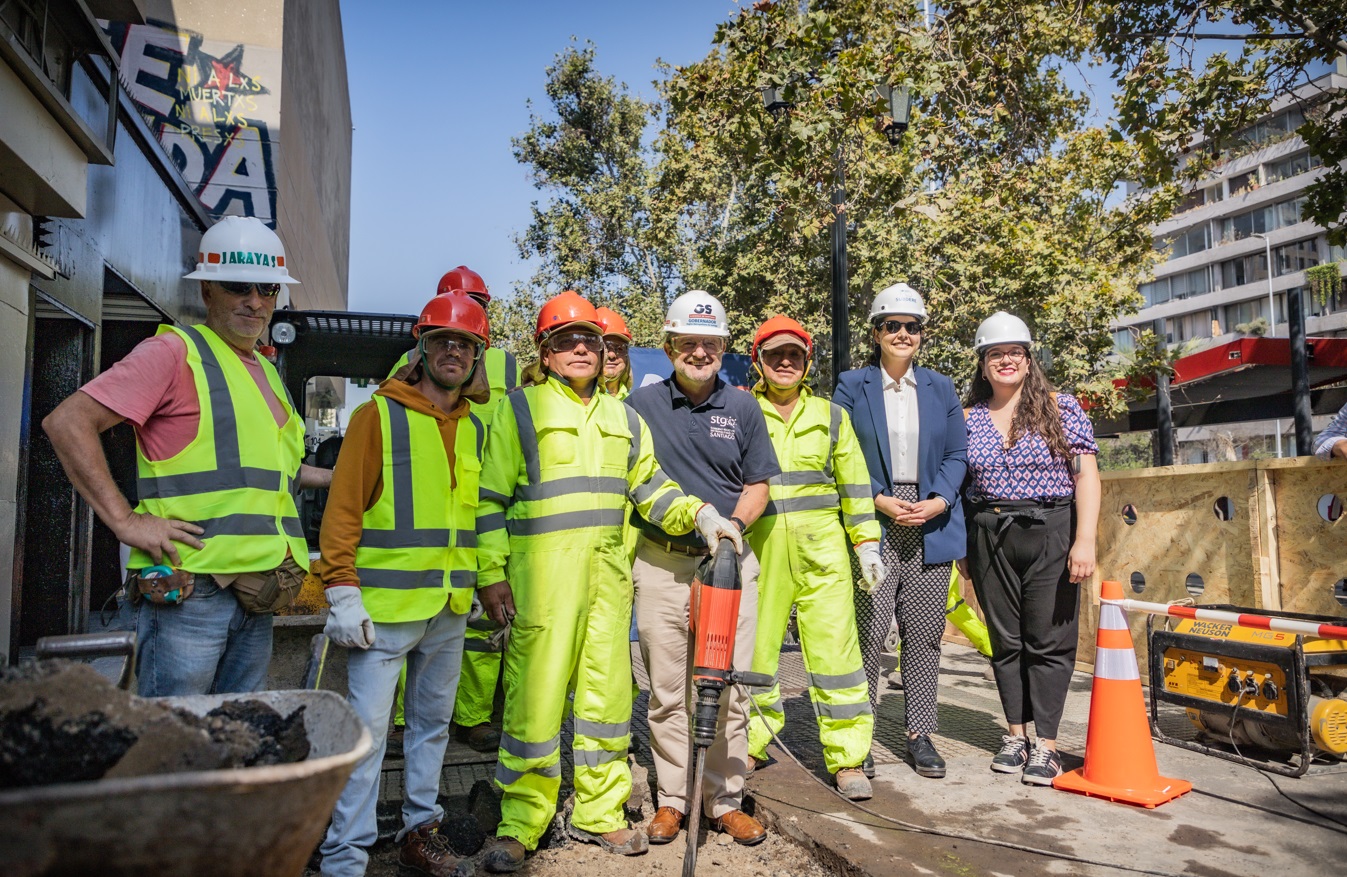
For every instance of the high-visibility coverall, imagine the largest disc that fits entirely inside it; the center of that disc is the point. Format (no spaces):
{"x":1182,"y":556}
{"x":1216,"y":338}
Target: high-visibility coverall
{"x":481,"y":660}
{"x":820,"y":500}
{"x":555,"y":486}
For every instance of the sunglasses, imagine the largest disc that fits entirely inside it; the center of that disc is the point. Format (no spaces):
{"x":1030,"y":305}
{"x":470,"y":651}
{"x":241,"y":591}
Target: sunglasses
{"x":266,"y":290}
{"x":618,"y":347}
{"x":571,"y":340}
{"x":891,"y":327}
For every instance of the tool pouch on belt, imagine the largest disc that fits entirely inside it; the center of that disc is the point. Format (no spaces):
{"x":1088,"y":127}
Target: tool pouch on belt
{"x":261,"y":593}
{"x":162,"y":590}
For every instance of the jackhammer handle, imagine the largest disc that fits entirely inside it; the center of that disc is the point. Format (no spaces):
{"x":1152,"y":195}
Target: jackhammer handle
{"x":752,"y":680}
{"x":79,"y":646}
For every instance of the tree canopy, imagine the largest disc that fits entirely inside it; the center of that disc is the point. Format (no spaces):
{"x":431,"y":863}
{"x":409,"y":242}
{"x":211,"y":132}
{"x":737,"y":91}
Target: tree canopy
{"x":1170,"y":97}
{"x":1001,"y":196}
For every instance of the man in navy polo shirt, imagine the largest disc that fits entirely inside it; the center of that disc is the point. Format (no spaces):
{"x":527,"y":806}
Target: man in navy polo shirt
{"x":712,"y":440}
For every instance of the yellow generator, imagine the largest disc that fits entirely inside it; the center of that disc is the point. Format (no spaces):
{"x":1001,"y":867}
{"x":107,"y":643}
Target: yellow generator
{"x":1255,"y":692}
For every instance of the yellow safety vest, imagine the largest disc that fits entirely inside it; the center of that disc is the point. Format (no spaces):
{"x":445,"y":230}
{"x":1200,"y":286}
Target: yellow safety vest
{"x":234,"y":479}
{"x":562,"y":474}
{"x":418,"y":545}
{"x":822,"y":467}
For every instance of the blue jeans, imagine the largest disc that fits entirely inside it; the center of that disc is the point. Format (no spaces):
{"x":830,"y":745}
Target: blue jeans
{"x":205,"y":645}
{"x":433,"y":652}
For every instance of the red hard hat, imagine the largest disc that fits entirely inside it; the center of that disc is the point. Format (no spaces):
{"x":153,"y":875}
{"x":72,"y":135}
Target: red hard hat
{"x":464,"y":279}
{"x":778,"y":325}
{"x":565,"y":309}
{"x":612,"y":323}
{"x":454,"y":310}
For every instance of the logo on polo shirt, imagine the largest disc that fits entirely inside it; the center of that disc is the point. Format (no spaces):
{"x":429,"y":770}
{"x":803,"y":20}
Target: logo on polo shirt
{"x":722,"y":426}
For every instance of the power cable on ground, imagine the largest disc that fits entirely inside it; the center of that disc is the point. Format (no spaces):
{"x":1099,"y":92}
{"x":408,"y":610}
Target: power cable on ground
{"x":939,"y":832}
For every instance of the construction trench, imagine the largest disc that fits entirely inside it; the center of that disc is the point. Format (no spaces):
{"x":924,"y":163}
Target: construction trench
{"x":1256,"y":531}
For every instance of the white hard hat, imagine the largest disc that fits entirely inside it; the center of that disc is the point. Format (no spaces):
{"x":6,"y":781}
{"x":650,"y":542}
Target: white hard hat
{"x":898,"y":299}
{"x":241,"y":249}
{"x":696,"y":313}
{"x":1001,"y":328}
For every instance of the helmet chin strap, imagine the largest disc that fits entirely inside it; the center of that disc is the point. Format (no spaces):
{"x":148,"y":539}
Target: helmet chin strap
{"x":425,"y":365}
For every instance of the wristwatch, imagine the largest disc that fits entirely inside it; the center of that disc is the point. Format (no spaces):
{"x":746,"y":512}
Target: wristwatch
{"x":738,"y":523}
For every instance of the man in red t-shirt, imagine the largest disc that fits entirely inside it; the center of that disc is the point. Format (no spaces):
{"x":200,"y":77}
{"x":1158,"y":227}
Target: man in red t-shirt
{"x":201,"y":489}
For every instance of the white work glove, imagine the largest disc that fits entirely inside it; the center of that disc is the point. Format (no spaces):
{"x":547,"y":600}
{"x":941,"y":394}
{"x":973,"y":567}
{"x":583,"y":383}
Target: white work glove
{"x":872,"y":568}
{"x":348,"y":624}
{"x":712,"y":527}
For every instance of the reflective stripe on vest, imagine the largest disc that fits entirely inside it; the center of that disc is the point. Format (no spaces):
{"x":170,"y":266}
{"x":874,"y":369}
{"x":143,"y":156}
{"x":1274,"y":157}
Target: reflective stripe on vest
{"x":562,"y":496}
{"x":825,"y":501}
{"x":241,"y":498}
{"x":418,"y":548}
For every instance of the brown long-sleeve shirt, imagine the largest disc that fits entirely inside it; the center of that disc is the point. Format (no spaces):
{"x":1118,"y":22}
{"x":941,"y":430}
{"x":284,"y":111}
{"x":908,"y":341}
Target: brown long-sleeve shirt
{"x":357,"y":479}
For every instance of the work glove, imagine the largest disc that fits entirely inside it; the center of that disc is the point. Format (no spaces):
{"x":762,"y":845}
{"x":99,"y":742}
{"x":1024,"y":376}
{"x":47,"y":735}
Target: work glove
{"x":348,"y":624}
{"x":872,"y":568}
{"x":712,"y":527}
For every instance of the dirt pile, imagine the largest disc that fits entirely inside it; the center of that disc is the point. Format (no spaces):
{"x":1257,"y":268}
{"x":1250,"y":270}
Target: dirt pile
{"x":63,"y":722}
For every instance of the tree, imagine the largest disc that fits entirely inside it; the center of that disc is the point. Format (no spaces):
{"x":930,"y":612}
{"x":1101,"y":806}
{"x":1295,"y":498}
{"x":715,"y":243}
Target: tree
{"x":595,"y":232}
{"x":997,"y":198}
{"x":1167,"y":101}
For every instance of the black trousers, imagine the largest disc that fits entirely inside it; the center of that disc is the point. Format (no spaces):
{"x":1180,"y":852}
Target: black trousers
{"x":1017,"y":556}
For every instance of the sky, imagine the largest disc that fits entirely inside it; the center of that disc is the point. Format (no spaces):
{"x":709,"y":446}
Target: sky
{"x":437,"y":91}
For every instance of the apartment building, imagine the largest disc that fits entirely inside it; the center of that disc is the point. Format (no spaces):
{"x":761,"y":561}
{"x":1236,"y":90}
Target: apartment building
{"x":1217,"y":282}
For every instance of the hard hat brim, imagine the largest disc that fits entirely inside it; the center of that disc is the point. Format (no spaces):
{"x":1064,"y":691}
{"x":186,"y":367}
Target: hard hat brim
{"x":781,"y":339}
{"x":266,"y":276}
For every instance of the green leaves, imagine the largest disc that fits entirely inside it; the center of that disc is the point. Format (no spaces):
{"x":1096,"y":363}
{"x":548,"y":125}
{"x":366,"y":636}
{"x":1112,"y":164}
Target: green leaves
{"x":1171,"y":96}
{"x":999,"y":197}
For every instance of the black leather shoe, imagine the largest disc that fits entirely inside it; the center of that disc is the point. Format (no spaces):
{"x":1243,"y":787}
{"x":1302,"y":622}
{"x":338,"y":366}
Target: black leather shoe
{"x":924,"y":759}
{"x":868,"y":766}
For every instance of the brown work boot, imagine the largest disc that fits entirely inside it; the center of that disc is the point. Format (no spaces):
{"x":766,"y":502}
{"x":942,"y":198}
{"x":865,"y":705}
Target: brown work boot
{"x":426,"y":851}
{"x":623,"y":841}
{"x":739,"y":825}
{"x":504,"y":855}
{"x":482,"y":738}
{"x":853,"y":785}
{"x":665,"y":825}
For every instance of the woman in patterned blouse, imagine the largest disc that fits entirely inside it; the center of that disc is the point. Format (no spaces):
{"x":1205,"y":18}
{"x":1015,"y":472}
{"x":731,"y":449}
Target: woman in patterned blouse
{"x":1033,"y":508}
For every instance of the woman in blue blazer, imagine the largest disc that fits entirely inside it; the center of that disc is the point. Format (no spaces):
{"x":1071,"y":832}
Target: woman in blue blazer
{"x":911,"y":428}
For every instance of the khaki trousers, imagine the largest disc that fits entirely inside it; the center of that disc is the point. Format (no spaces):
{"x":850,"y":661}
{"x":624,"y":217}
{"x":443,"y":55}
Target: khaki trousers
{"x":662,"y":579}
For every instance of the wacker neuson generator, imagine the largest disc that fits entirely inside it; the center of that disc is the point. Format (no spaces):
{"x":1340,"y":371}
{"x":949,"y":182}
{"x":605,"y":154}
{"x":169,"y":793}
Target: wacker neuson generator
{"x":1257,"y":697}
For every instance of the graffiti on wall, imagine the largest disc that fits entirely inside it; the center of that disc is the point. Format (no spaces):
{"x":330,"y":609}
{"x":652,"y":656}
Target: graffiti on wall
{"x":215,"y":109}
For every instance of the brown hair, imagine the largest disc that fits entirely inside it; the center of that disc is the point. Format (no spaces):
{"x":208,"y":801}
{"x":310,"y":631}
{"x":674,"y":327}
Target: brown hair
{"x":1036,"y":413}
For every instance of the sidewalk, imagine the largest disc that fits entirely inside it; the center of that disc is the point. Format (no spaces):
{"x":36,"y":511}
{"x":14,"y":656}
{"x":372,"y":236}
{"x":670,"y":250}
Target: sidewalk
{"x":1235,"y":822}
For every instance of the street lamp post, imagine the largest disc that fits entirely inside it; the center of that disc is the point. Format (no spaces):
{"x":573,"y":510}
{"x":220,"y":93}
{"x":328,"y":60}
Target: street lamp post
{"x":1271,"y":314}
{"x":899,"y":103}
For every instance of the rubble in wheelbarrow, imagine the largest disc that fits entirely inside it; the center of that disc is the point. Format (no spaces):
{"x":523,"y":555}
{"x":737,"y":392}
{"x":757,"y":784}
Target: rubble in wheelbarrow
{"x":63,"y":722}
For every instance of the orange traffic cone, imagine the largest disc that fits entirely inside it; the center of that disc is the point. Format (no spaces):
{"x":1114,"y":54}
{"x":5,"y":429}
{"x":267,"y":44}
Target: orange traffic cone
{"x":1119,"y":755}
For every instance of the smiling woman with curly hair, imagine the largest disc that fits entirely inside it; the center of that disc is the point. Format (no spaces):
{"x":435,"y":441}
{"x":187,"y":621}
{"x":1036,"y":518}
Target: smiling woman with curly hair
{"x":1033,"y":508}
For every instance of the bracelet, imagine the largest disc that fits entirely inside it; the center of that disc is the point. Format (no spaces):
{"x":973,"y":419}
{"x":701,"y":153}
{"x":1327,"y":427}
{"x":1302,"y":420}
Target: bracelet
{"x":738,"y":523}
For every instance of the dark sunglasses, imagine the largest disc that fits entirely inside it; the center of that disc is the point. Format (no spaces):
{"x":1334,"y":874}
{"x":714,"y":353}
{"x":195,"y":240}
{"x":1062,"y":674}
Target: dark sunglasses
{"x":571,"y":340}
{"x":266,"y":290}
{"x":891,"y":327}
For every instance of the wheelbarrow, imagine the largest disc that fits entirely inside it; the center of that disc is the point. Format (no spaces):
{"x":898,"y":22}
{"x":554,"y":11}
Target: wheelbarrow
{"x":255,"y":821}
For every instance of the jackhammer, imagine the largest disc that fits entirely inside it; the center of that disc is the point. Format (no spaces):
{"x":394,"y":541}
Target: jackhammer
{"x":714,"y":615}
